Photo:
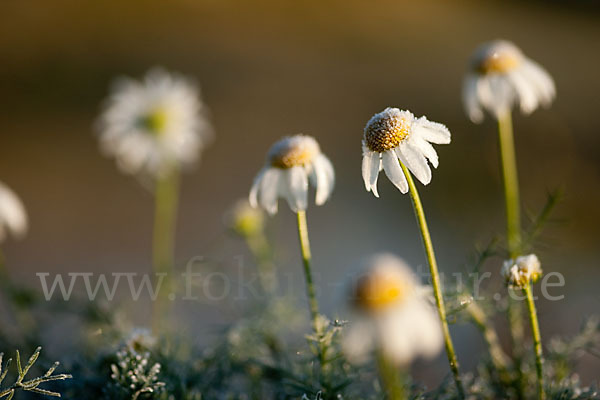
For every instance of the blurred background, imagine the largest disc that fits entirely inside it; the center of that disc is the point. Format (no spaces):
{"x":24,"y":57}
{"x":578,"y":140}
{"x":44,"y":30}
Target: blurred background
{"x":272,"y":68}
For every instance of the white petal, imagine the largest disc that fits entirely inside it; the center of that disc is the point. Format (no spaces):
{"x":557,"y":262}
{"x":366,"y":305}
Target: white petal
{"x":375,"y":167}
{"x":541,"y":80}
{"x":415,"y":162}
{"x":358,"y":340}
{"x":297,"y":194}
{"x":433,"y":132}
{"x":13,"y":217}
{"x":501,"y":96}
{"x":269,"y":188}
{"x":253,"y":197}
{"x":426,"y":149}
{"x":470,"y":98}
{"x":392,"y":169}
{"x":324,"y":177}
{"x":528,"y":100}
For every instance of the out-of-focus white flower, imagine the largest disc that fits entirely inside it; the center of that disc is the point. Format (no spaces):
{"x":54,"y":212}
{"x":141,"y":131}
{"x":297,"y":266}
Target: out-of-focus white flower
{"x":140,"y":340}
{"x":394,"y":134}
{"x":13,"y":218}
{"x":499,"y":77}
{"x":524,"y":269}
{"x":393,"y":315}
{"x":153,"y":125}
{"x":291,"y":164}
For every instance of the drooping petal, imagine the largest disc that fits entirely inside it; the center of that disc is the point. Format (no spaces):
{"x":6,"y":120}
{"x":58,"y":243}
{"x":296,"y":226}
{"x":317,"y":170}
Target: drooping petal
{"x":528,"y":100}
{"x":470,"y":98}
{"x":269,"y":188}
{"x":366,"y":169}
{"x":297,"y":194}
{"x":324,"y":178}
{"x":253,"y":197}
{"x":415,"y":162}
{"x":426,"y":149}
{"x":392,"y":169}
{"x":541,"y":80}
{"x":433,"y":132}
{"x":359,"y":340}
{"x":375,"y":167}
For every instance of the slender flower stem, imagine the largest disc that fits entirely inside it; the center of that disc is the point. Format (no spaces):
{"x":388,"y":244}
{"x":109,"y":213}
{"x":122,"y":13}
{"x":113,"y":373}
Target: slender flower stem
{"x":537,"y":340}
{"x":165,"y":216}
{"x":306,"y":259}
{"x":435,"y":279}
{"x":261,"y":251}
{"x":511,"y":184}
{"x":391,"y":379}
{"x":513,"y":231}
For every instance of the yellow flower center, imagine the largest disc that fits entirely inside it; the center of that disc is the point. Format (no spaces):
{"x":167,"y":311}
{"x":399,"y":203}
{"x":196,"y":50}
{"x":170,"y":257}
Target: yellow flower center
{"x":377,"y":292}
{"x":155,"y":122}
{"x":499,"y":62}
{"x":387,"y":132}
{"x":292,"y":152}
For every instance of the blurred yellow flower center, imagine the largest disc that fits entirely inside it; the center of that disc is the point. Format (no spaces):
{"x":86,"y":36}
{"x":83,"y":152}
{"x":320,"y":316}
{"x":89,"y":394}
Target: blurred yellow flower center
{"x":293,"y":155}
{"x":155,"y":121}
{"x":499,"y":62}
{"x":375,"y":293}
{"x":386,"y":133}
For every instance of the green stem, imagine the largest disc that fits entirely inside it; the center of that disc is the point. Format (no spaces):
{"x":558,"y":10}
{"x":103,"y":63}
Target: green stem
{"x":513,"y":230}
{"x":511,"y":184}
{"x":306,"y":259}
{"x":435,"y":279}
{"x":165,"y":216}
{"x":391,"y":379}
{"x":537,"y":340}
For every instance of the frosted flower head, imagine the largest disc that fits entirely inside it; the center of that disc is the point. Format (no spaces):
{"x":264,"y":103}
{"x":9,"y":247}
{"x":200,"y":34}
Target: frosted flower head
{"x":392,"y":315}
{"x":152,"y":125}
{"x":245,"y":220}
{"x":393,"y":136}
{"x":500,"y":76}
{"x":522,"y":270}
{"x":13,"y":218}
{"x":292,"y":163}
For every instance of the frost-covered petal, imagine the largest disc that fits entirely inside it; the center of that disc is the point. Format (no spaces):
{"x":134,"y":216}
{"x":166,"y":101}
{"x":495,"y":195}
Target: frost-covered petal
{"x":297,"y":191}
{"x":253,"y":197}
{"x":528,"y":100}
{"x":392,"y":169}
{"x":366,"y":168}
{"x":13,"y":218}
{"x":374,"y":169}
{"x":323,"y":178}
{"x":426,"y":149}
{"x":268,"y":190}
{"x":433,"y":132}
{"x":470,"y":98}
{"x":415,"y":162}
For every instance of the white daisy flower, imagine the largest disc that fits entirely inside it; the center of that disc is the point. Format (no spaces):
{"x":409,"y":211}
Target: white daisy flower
{"x":13,"y":218}
{"x":522,"y":270}
{"x":393,"y":315}
{"x":153,"y":125}
{"x":500,"y":77}
{"x":292,"y":163}
{"x":393,"y":135}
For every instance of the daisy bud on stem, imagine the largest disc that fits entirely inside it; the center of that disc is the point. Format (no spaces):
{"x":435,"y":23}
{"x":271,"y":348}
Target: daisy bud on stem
{"x":522,"y":273}
{"x":400,"y":144}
